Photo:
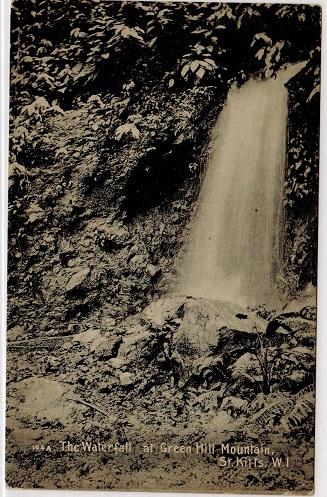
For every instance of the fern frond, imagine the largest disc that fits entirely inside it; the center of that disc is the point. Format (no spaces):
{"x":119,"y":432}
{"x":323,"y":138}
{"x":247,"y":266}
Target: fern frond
{"x":302,"y":410}
{"x":310,"y":388}
{"x":244,"y":365}
{"x":267,"y":413}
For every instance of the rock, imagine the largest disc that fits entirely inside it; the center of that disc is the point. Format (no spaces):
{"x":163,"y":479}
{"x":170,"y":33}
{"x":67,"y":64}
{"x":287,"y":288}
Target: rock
{"x":66,"y":251}
{"x":132,"y":340}
{"x":303,"y":330}
{"x":162,"y":310}
{"x":127,"y":379}
{"x":179,"y":331}
{"x":107,"y":323}
{"x":77,"y":279}
{"x":137,"y":260}
{"x":152,"y":270}
{"x":44,"y":398}
{"x":137,"y":346}
{"x":34,"y":212}
{"x":105,"y":348}
{"x":219,"y":426}
{"x":67,"y":346}
{"x":73,"y":328}
{"x":117,"y":363}
{"x":16,"y":333}
{"x":116,"y":232}
{"x":134,"y":330}
{"x":210,"y":325}
{"x":307,"y":299}
{"x":87,"y":337}
{"x":53,"y":333}
{"x":74,"y":262}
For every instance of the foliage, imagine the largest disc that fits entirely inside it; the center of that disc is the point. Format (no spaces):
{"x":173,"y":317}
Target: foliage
{"x":303,"y":408}
{"x":270,"y":364}
{"x":62,"y":51}
{"x":148,"y":79}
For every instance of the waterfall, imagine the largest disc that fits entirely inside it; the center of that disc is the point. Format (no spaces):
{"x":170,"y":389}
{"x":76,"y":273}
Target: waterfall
{"x":235,"y":244}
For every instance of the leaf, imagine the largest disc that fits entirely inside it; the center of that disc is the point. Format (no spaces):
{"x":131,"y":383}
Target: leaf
{"x":127,"y":32}
{"x":121,"y":130}
{"x":260,"y":53}
{"x":302,"y":351}
{"x":194,"y":65}
{"x":313,"y":93}
{"x":296,"y":376}
{"x":171,"y":83}
{"x":268,"y":72}
{"x":105,"y":55}
{"x":185,"y":70}
{"x":46,"y":43}
{"x":206,"y":65}
{"x":263,"y":417}
{"x":211,"y":62}
{"x":261,"y":36}
{"x":76,"y":69}
{"x":27,"y":59}
{"x":126,"y":128}
{"x":244,"y":365}
{"x":39,"y":103}
{"x":135,"y":132}
{"x":152,"y":42}
{"x":301,"y":412}
{"x":20,"y":132}
{"x":200,"y":73}
{"x":75,"y":32}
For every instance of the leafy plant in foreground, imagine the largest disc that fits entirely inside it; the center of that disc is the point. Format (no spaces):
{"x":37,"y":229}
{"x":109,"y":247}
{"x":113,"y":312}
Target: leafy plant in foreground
{"x":271,"y":365}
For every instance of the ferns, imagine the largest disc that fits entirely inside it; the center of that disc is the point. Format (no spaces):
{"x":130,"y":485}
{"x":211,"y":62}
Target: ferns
{"x":303,"y":409}
{"x":267,"y":413}
{"x":292,"y":411}
{"x":306,"y":390}
{"x":244,"y":366}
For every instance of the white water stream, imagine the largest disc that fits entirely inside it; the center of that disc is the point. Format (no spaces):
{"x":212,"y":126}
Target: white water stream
{"x":235,"y":247}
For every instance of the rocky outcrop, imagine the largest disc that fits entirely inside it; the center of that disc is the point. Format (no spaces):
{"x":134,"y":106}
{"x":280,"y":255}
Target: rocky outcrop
{"x":182,"y":336}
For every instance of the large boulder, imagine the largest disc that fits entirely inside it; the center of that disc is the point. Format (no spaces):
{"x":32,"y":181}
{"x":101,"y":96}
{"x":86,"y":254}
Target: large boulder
{"x":180,"y":331}
{"x":211,"y":324}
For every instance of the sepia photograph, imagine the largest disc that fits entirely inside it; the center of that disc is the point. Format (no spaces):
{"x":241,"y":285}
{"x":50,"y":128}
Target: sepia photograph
{"x":162,"y":246}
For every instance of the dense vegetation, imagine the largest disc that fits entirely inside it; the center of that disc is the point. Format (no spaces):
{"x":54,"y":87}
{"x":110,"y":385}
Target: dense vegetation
{"x":112,"y":108}
{"x":150,"y":77}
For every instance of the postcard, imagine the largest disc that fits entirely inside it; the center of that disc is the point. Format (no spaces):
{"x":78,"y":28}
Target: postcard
{"x":162,"y":246}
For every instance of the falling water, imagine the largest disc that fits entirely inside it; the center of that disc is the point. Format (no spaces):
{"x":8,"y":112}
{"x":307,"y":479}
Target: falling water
{"x":235,"y":245}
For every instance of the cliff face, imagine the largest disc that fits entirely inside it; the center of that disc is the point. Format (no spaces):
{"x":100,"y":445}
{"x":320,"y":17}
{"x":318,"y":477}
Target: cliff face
{"x":301,"y":179}
{"x":104,"y":217}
